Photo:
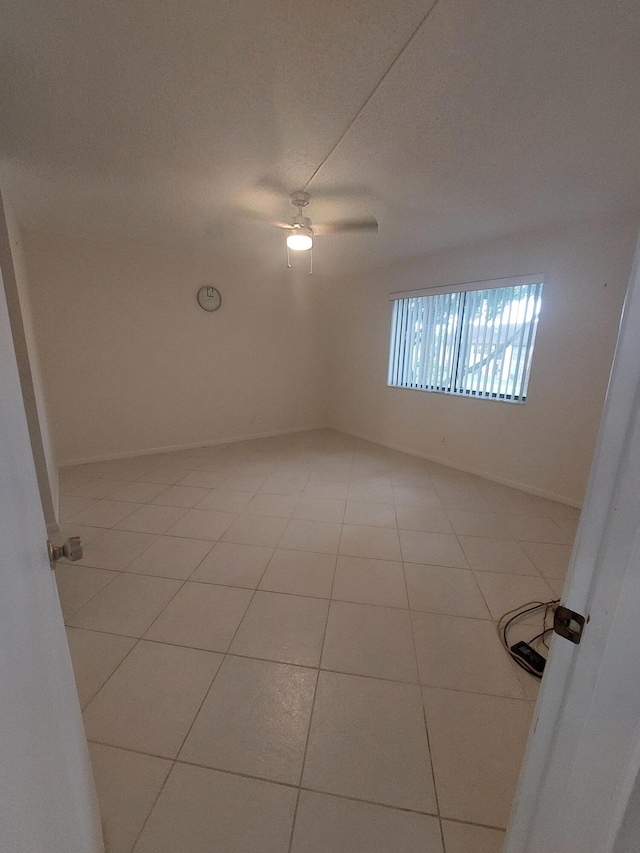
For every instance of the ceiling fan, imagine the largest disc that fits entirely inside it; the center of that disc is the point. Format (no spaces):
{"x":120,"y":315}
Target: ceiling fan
{"x":301,"y":231}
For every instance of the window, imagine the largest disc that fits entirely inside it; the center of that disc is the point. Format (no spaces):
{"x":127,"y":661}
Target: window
{"x":474,"y":340}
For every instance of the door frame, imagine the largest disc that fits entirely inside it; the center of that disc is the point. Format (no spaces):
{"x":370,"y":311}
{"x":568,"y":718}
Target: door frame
{"x":560,"y":793}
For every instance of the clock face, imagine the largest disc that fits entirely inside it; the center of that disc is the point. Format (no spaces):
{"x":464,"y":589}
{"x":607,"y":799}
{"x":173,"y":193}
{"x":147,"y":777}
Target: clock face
{"x":209,"y":298}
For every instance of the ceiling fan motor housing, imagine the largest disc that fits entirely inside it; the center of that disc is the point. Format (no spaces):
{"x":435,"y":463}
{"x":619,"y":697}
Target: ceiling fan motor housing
{"x":300,"y":198}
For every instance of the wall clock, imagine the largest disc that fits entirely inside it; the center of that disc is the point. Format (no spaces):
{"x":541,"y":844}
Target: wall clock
{"x":209,"y":298}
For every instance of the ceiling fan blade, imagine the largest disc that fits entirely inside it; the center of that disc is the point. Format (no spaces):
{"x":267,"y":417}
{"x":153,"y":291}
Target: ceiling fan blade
{"x":367,"y":223}
{"x":257,"y":216}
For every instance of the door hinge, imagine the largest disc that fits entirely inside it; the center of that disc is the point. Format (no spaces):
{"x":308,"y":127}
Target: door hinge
{"x":568,"y":624}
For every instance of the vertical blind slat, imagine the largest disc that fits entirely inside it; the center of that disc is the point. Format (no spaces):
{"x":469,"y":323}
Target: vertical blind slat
{"x":392,"y":346}
{"x":477,"y":342}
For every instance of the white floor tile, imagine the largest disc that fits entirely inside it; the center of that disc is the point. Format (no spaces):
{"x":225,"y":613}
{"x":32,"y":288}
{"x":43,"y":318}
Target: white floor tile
{"x":151,"y":700}
{"x":464,"y":838}
{"x":412,"y":480}
{"x":128,"y":605}
{"x":168,"y":475}
{"x":152,"y":519}
{"x":504,"y":592}
{"x":116,"y":549}
{"x":370,"y":513}
{"x":105,"y":513}
{"x":242,"y":482}
{"x":79,"y":584}
{"x":477,"y":745}
{"x":70,"y":484}
{"x":138,"y":492}
{"x":87,"y":534}
{"x":279,"y":485}
{"x":200,"y":811}
{"x":362,"y":639}
{"x":303,"y":518}
{"x":255,"y":530}
{"x":378,"y":543}
{"x":416,"y":497}
{"x":365,"y":491}
{"x":320,"y":509}
{"x":496,"y":555}
{"x":95,"y":656}
{"x":569,"y":526}
{"x":277,"y":506}
{"x":186,"y":496}
{"x":445,"y":590}
{"x":329,"y":489}
{"x":552,"y":561}
{"x":552,"y":509}
{"x":431,"y":519}
{"x":537,"y":529}
{"x":201,"y":524}
{"x":320,"y":536}
{"x":367,"y":581}
{"x":283,"y":628}
{"x":512,"y":501}
{"x":300,"y":573}
{"x":127,"y":784}
{"x":232,"y":564}
{"x":202,"y":616}
{"x":254,"y":720}
{"x":557,"y":586}
{"x":102,"y":488}
{"x":435,"y":549}
{"x":203,"y":479}
{"x":368,"y":741}
{"x":491,"y":524}
{"x":463,"y":654}
{"x":71,"y":505}
{"x":171,"y":557}
{"x":225,"y":500}
{"x":329,"y":824}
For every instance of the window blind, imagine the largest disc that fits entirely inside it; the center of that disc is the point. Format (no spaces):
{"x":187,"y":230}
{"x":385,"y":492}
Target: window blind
{"x":477,"y":342}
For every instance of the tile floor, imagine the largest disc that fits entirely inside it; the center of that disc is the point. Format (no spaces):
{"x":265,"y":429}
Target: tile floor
{"x":288,"y":646}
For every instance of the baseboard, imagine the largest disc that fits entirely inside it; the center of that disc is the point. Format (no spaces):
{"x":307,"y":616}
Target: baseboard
{"x":523,"y":487}
{"x":109,"y":457}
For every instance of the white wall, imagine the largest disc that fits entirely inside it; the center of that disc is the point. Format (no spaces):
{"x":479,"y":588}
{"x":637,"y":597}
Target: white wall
{"x":545,"y":445}
{"x":17,"y":289}
{"x":132,"y":363}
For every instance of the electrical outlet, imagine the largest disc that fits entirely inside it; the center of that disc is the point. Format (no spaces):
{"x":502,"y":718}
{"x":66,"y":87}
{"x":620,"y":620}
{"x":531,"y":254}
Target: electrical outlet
{"x":444,"y":439}
{"x":252,"y":420}
{"x":259,"y":419}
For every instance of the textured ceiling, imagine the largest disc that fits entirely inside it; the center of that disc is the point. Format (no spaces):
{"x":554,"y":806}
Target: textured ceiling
{"x":157,"y":120}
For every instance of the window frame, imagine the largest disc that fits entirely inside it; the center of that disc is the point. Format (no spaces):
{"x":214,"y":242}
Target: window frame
{"x":465,"y":288}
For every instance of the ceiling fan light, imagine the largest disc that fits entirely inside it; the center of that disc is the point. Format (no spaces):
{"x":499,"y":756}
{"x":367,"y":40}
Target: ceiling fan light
{"x":300,"y":239}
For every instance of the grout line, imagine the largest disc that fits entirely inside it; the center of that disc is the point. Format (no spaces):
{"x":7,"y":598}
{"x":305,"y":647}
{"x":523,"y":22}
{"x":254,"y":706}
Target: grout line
{"x":424,"y":716}
{"x":294,"y":786}
{"x":313,"y":705}
{"x":289,"y":785}
{"x":195,"y":717}
{"x":351,"y":465}
{"x":75,"y":612}
{"x":207,"y":693}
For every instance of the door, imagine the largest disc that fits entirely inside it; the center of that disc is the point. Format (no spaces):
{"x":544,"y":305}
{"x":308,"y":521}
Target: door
{"x":581,"y":779}
{"x":47,"y":799}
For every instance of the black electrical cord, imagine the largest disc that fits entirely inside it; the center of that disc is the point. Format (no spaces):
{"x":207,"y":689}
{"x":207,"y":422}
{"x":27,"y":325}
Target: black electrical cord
{"x":518,"y":613}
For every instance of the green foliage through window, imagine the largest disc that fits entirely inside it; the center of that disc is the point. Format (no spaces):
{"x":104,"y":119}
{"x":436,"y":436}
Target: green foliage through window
{"x":475,"y":343}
